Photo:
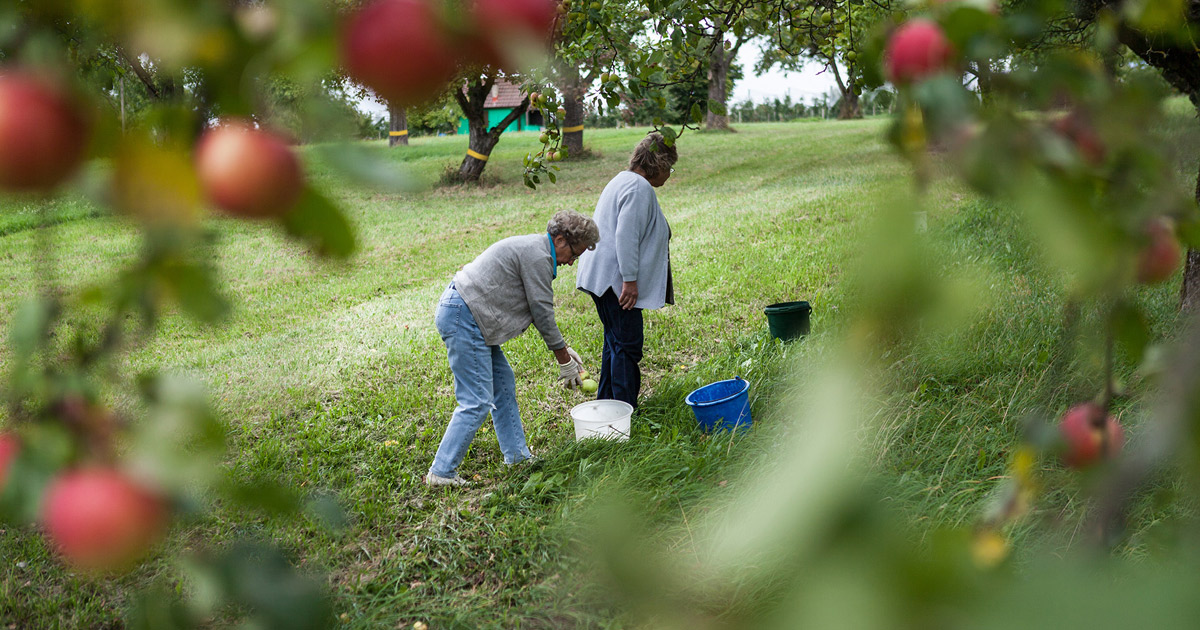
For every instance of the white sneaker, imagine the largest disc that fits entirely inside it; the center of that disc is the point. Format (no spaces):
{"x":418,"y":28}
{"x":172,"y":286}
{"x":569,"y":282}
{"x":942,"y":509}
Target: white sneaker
{"x":527,"y":461}
{"x":437,"y":480}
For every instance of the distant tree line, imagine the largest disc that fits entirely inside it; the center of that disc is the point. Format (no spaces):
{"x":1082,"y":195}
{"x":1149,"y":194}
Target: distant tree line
{"x":874,"y":102}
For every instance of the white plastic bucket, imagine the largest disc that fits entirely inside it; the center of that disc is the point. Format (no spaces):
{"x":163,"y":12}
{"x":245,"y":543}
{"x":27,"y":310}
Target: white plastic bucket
{"x":606,"y":419}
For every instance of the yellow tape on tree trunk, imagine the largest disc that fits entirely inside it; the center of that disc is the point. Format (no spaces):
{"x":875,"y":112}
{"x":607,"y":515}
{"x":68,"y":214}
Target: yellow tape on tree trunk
{"x":572,"y":129}
{"x":402,"y":132}
{"x":477,"y":155}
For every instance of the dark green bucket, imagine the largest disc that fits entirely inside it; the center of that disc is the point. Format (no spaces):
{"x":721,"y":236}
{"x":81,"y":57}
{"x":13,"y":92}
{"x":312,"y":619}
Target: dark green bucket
{"x":788,"y":320}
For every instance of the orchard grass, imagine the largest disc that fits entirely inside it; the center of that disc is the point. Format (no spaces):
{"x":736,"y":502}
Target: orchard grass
{"x":333,"y":382}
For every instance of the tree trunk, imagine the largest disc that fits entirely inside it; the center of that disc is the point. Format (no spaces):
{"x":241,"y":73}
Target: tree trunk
{"x":573,"y":86}
{"x":848,"y":106}
{"x":986,"y":81}
{"x":719,"y":61}
{"x":1189,"y":291}
{"x":481,"y":140}
{"x":573,"y":125}
{"x":398,"y":129}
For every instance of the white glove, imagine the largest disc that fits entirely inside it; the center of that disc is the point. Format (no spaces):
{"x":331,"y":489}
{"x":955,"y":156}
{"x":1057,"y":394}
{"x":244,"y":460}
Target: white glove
{"x":568,"y":373}
{"x":575,"y":357}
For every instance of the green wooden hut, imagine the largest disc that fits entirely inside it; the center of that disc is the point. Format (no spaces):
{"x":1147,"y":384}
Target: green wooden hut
{"x":504,"y":97}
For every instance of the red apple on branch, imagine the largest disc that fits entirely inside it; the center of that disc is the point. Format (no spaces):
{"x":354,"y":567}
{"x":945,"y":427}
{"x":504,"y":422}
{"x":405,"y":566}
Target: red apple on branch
{"x":1090,"y":435}
{"x":916,"y":50}
{"x":507,"y":33}
{"x":1077,"y":128}
{"x":43,"y":133}
{"x":9,"y":446}
{"x":101,"y":520}
{"x":248,"y":172}
{"x":524,"y":18}
{"x":1161,"y":256}
{"x":400,"y":49}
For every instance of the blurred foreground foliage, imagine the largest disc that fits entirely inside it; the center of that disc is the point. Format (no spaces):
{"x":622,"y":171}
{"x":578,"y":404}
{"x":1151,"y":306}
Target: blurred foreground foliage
{"x":1059,"y":138}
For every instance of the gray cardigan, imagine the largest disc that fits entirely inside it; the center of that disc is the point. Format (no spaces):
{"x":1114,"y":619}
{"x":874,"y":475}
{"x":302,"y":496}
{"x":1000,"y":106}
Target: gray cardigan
{"x":633,"y":243}
{"x":507,"y":287}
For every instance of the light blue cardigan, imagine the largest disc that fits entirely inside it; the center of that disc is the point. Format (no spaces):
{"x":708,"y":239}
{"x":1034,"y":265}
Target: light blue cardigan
{"x":633,"y":243}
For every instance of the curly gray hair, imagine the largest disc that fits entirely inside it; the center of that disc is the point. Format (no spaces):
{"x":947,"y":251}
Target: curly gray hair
{"x":576,"y":228}
{"x":652,"y":156}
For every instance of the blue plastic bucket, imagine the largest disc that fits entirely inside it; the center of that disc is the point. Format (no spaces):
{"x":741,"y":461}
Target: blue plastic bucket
{"x":722,"y":405}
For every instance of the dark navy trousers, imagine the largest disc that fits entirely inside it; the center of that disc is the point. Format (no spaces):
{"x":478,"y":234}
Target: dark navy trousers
{"x":620,"y":377}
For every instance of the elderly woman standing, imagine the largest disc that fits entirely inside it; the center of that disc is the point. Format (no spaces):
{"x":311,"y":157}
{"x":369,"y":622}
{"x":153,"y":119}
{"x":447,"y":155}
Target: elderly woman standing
{"x":491,"y":300}
{"x":630,"y":270}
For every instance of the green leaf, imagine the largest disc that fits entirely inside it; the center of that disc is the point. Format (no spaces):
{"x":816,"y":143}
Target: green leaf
{"x":196,"y":290}
{"x":1157,"y":16}
{"x":318,"y":222}
{"x":1189,"y":233}
{"x":669,"y":136}
{"x":260,"y":578}
{"x":46,"y":449}
{"x":158,"y":608}
{"x":368,"y":168}
{"x":1131,"y":329}
{"x":717,"y":108}
{"x":266,"y":495}
{"x":553,"y":179}
{"x":697,"y":114}
{"x":30,"y":324}
{"x":326,"y":511}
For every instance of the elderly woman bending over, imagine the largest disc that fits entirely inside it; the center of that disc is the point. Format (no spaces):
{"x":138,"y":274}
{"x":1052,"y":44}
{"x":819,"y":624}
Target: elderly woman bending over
{"x":491,"y":300}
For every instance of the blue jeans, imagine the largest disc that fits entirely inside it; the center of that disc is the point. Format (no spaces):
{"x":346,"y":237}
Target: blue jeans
{"x":620,"y":377}
{"x":483,"y":383}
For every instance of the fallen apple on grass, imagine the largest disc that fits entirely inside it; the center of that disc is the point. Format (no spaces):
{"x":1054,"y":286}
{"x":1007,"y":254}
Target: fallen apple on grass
{"x":588,"y":386}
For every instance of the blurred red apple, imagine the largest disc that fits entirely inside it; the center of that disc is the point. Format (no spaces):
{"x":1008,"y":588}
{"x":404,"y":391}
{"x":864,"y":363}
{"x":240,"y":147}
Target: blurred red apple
{"x":248,"y":172}
{"x":100,"y":520}
{"x":1090,"y":435}
{"x":505,"y":30}
{"x":43,"y":133}
{"x":9,"y":446}
{"x":399,"y":49}
{"x":1076,"y":127}
{"x":916,"y":50}
{"x":1159,"y":259}
{"x":533,"y":18}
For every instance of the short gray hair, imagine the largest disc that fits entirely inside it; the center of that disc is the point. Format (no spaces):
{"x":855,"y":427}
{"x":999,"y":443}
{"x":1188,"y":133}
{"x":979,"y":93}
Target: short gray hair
{"x":577,"y":229}
{"x":652,"y":156}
